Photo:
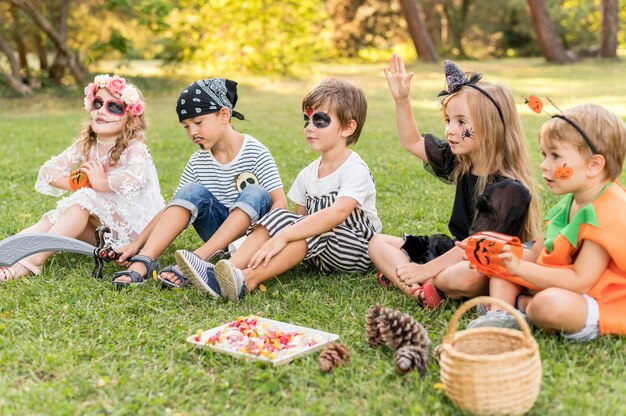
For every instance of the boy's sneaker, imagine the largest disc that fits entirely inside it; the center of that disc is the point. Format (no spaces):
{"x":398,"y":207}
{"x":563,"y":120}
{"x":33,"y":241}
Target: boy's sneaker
{"x":199,"y":272}
{"x":495,"y":318}
{"x":231,"y":281}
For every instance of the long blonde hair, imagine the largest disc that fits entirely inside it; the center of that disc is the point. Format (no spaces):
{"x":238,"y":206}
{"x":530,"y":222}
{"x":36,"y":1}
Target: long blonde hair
{"x":500,"y":145}
{"x":134,"y":129}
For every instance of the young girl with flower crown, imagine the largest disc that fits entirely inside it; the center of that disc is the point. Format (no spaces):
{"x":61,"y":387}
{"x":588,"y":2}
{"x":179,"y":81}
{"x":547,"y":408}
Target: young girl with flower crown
{"x":485,"y":156}
{"x":109,"y":171}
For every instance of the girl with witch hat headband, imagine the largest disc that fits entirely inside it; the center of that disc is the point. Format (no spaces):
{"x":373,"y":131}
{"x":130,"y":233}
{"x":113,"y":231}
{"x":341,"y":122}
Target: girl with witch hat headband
{"x":228,"y":184}
{"x":109,"y":171}
{"x":485,"y":156}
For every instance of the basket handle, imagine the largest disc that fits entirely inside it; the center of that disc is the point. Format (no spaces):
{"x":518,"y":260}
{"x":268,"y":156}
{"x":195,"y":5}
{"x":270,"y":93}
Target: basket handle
{"x":487,"y":300}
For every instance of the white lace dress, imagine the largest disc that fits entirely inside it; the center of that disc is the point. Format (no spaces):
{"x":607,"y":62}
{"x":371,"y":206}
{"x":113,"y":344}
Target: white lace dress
{"x":136,"y":195}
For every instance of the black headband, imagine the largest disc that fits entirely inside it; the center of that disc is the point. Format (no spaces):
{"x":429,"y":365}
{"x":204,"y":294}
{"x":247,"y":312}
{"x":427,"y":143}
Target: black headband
{"x":455,"y":79}
{"x":207,"y":96}
{"x":580,"y":130}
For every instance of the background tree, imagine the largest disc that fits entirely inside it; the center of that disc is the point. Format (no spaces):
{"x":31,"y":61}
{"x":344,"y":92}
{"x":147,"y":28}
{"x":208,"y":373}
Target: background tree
{"x":55,"y":28}
{"x":424,"y":45}
{"x":610,"y":28}
{"x":456,"y":12}
{"x":358,"y":26}
{"x":551,"y":47}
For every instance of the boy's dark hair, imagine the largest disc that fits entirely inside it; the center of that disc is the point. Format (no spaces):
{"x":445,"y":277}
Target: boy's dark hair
{"x":344,"y":98}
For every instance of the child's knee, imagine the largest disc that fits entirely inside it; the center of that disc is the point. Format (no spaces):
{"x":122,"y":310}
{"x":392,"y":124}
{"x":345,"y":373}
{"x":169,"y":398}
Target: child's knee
{"x":459,"y":280}
{"x":190,"y":191}
{"x":254,"y":200}
{"x":547,"y":307}
{"x":376,"y":242}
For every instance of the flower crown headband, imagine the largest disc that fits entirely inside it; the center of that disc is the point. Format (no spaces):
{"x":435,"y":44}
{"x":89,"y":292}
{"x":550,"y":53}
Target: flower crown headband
{"x":536,"y":105}
{"x":116,"y":85}
{"x":455,"y":79}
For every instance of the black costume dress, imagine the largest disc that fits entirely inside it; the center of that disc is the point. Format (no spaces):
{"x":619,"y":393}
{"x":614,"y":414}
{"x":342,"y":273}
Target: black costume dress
{"x":502,"y":207}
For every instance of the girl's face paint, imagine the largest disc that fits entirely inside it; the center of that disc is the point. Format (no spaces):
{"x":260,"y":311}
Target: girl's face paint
{"x":459,"y":126}
{"x":468,"y":133}
{"x":106,"y":121}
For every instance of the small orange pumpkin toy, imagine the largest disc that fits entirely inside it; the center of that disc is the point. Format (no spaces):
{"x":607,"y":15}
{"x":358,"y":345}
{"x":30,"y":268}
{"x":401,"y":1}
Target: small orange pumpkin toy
{"x":534,"y":103}
{"x":79,"y":179}
{"x":483,"y":249}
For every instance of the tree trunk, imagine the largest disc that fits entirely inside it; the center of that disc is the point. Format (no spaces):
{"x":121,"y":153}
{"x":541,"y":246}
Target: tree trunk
{"x":42,"y":53}
{"x":551,"y":47}
{"x":432,"y":17}
{"x":10,"y":54}
{"x":18,"y":39}
{"x":421,"y":39}
{"x":457,"y":18}
{"x":610,"y":27}
{"x":13,"y":79}
{"x":57,"y":37}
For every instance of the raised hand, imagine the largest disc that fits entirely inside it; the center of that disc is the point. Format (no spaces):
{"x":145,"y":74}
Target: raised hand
{"x":398,"y":79}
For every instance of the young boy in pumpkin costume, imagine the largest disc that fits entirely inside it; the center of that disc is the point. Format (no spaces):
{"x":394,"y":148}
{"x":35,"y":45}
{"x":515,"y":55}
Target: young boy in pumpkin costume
{"x":574,"y":278}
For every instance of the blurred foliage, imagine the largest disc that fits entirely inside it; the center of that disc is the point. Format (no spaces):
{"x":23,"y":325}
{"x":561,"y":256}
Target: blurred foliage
{"x":275,"y":36}
{"x":263,"y":36}
{"x":363,"y":25}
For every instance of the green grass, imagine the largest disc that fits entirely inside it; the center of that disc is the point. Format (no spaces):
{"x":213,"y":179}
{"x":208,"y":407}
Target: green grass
{"x":72,"y":345}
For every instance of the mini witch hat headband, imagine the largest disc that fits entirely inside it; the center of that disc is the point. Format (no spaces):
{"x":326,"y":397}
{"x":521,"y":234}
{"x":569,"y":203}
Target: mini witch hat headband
{"x":536,"y":105}
{"x":455,"y":79}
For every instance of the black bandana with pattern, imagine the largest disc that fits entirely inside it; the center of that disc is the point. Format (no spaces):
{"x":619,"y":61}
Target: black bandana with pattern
{"x":207,"y":96}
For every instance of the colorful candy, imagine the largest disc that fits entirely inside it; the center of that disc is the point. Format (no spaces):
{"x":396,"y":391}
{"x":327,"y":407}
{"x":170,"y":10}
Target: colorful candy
{"x":246,"y":335}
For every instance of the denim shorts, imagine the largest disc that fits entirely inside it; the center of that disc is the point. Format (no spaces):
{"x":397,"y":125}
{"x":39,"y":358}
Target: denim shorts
{"x":208,"y":214}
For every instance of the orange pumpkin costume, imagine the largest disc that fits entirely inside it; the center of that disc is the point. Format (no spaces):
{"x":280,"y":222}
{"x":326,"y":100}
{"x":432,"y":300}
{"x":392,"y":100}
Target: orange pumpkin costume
{"x":603,"y":222}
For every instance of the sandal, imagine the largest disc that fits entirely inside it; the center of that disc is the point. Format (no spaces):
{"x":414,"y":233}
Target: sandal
{"x":137,"y":279}
{"x":430,"y":296}
{"x":9,"y":273}
{"x":496,"y":319}
{"x":169,"y":284}
{"x":382,"y":280}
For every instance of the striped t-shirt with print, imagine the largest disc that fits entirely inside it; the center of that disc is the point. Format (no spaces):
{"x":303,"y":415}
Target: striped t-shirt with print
{"x":220,"y":179}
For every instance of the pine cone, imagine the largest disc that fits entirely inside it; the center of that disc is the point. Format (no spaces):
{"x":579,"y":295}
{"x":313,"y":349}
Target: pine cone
{"x":411,"y":357}
{"x":372,"y":333}
{"x":398,"y":329}
{"x":333,"y":355}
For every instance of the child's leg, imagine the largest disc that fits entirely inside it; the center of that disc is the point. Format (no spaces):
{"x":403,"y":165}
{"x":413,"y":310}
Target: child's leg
{"x":559,"y":310}
{"x":288,"y":258}
{"x":234,"y":283}
{"x":250,"y":246}
{"x":386,"y":254}
{"x":459,"y":281}
{"x":495,"y":316}
{"x":172,"y":222}
{"x":251,"y":204}
{"x":72,"y":223}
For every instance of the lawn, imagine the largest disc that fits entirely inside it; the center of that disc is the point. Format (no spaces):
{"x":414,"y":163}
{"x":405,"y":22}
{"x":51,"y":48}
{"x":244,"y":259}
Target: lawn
{"x":70,"y":344}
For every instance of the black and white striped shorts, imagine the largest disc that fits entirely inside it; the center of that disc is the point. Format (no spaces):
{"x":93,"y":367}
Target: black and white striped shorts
{"x":342,"y":249}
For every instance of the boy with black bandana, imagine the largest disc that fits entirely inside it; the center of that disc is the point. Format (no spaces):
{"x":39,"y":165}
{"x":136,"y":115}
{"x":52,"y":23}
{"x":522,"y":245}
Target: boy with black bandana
{"x":226,"y":186}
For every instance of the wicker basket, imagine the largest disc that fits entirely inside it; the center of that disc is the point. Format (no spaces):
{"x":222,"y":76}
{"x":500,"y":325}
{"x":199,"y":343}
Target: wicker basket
{"x":490,"y":370}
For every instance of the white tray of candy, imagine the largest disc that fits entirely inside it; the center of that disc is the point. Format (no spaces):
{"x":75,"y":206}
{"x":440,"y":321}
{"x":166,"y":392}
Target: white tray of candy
{"x":262,"y":339}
